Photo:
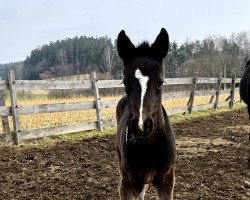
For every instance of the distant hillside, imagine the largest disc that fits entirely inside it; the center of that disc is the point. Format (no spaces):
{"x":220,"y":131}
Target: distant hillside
{"x":72,"y":57}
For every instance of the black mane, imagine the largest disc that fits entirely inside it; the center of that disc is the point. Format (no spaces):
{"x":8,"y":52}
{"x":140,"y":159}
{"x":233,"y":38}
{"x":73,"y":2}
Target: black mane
{"x":143,"y":50}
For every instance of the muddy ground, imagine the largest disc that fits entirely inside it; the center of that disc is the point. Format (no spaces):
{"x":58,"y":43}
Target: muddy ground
{"x":212,"y":164}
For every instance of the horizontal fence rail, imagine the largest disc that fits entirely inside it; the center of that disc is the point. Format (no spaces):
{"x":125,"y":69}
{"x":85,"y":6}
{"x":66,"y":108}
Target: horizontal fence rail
{"x":55,"y":84}
{"x":95,"y":85}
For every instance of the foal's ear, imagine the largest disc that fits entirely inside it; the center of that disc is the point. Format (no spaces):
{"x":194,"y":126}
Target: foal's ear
{"x":159,"y":48}
{"x":125,"y":46}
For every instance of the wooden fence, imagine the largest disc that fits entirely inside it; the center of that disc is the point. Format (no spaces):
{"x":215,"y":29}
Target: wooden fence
{"x":15,"y":110}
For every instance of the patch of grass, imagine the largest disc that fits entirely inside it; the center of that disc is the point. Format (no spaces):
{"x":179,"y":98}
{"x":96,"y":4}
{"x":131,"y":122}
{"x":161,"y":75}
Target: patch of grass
{"x":87,"y":134}
{"x":26,"y":95}
{"x":203,"y":113}
{"x":71,"y":137}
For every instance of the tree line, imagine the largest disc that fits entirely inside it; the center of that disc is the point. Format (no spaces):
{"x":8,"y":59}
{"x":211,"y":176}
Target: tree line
{"x":80,"y":55}
{"x":209,"y":57}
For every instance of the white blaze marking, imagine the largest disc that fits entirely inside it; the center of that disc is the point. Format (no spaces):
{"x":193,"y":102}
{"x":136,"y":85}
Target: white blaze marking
{"x":143,"y":80}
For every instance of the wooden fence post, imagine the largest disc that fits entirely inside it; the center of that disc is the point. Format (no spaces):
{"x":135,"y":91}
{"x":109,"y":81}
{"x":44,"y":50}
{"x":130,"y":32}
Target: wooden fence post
{"x":192,"y":94}
{"x":211,"y":99}
{"x":97,"y":100}
{"x":231,"y":101}
{"x":5,"y":120}
{"x":14,"y":106}
{"x":217,"y":94}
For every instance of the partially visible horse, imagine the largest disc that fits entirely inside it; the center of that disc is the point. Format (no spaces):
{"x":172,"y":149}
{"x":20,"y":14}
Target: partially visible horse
{"x":245,"y":92}
{"x":145,"y":140}
{"x":245,"y":87}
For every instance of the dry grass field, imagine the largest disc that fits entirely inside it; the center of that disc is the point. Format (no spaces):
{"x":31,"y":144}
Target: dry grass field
{"x":71,"y":117}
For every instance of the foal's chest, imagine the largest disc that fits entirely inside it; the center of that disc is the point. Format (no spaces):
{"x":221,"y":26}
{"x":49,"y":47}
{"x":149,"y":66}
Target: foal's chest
{"x":142,"y":156}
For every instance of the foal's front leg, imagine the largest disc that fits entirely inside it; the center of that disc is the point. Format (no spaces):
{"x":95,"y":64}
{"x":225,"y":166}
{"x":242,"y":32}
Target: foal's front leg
{"x":165,"y":186}
{"x":125,"y":189}
{"x":143,"y":192}
{"x":132,"y":191}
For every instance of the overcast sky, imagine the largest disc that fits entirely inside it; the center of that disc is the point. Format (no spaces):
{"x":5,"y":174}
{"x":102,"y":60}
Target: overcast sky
{"x":26,"y":24}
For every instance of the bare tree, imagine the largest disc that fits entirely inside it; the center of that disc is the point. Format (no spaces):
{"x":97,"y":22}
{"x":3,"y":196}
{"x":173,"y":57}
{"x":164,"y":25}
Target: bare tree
{"x":19,"y":71}
{"x":62,"y":57}
{"x":107,"y":60}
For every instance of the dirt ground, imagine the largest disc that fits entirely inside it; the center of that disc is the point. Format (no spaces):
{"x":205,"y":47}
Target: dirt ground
{"x":212,"y":164}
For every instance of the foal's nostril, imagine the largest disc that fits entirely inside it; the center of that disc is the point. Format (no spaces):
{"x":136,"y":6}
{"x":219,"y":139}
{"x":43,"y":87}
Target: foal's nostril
{"x":148,"y":126}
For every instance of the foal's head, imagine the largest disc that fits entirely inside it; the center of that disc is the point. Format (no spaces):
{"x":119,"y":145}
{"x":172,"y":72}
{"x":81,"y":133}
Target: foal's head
{"x":143,"y":77}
